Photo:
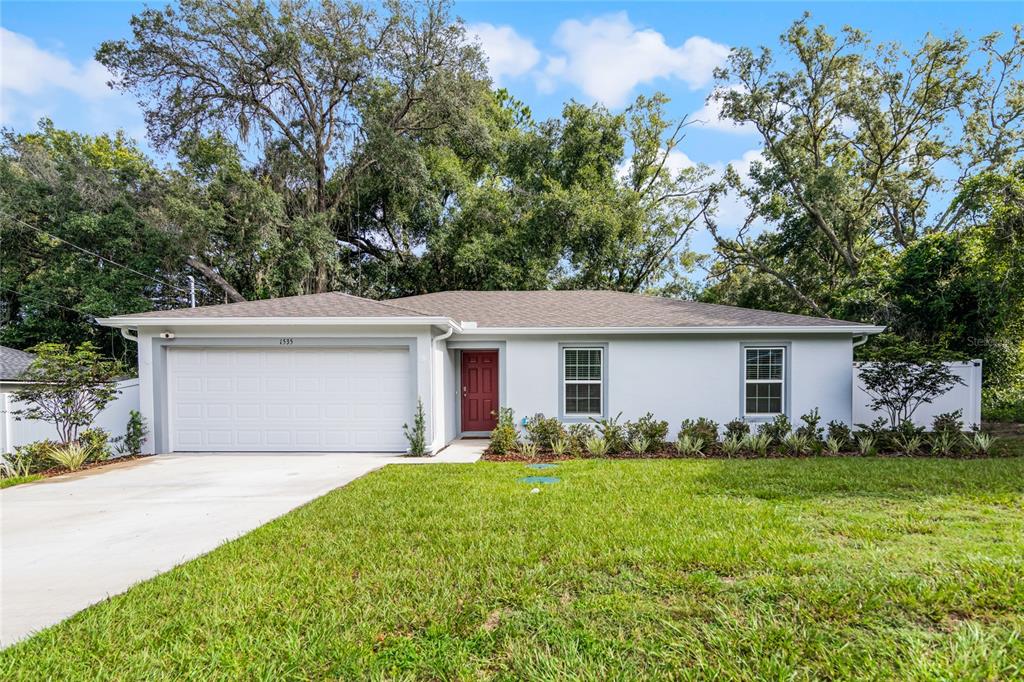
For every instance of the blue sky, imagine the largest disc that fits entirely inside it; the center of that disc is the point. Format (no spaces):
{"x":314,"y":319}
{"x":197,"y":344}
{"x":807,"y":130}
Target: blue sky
{"x":544,"y":53}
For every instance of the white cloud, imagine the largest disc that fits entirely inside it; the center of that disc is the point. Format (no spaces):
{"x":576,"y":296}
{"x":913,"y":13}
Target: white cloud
{"x":27,"y":69}
{"x":608,"y":57}
{"x":675,"y":161}
{"x":508,"y":53}
{"x":709,"y":116}
{"x":732,"y":211}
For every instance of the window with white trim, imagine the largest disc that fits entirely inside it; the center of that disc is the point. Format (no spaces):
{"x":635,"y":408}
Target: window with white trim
{"x":582,"y":377}
{"x":764,"y":381}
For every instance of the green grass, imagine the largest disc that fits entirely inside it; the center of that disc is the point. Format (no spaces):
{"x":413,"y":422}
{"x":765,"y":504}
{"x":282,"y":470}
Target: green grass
{"x":18,"y":480}
{"x":782,"y":569}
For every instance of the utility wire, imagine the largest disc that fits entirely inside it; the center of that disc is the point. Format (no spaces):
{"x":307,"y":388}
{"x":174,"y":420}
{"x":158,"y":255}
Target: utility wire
{"x":48,"y":302}
{"x":93,"y":253}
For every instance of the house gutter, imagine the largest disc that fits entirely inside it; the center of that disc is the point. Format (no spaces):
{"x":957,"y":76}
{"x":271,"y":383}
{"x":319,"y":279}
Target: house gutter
{"x":434,"y":340}
{"x":860,"y":340}
{"x":858,"y":330}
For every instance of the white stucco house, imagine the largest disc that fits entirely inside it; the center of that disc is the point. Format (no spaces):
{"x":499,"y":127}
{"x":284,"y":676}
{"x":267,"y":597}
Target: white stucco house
{"x":334,"y":372}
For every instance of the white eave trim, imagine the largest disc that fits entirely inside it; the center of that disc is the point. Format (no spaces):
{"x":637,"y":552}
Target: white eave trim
{"x":563,"y":331}
{"x":136,"y":322}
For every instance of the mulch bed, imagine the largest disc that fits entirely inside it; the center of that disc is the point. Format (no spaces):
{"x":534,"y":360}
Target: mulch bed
{"x":60,"y":471}
{"x":544,"y":457}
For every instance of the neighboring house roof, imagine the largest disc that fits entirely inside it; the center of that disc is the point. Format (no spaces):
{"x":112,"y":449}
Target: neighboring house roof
{"x":13,"y":363}
{"x":514,"y":310}
{"x":580,"y":309}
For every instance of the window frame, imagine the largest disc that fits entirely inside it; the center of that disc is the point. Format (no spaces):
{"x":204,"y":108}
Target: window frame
{"x":563,"y":382}
{"x":783,"y":382}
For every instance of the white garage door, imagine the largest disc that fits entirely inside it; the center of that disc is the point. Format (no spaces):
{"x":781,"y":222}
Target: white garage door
{"x":289,"y":399}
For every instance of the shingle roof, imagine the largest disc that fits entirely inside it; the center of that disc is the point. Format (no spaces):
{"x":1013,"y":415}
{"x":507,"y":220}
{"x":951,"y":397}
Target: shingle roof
{"x":13,"y":363}
{"x":596,"y":309}
{"x":512,"y":309}
{"x":330,"y":304}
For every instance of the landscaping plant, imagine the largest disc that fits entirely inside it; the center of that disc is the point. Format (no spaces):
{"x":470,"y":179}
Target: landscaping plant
{"x":980,"y":442}
{"x":613,"y":433}
{"x":528,"y":449}
{"x":944,"y":443}
{"x":417,"y":435}
{"x":732,"y":445}
{"x":899,"y":387}
{"x":689,"y":446}
{"x":134,"y":435}
{"x":97,"y":442}
{"x":654,"y":430}
{"x":777,"y":429}
{"x":505,"y":436}
{"x":839,"y":432}
{"x":756,"y":443}
{"x":543,"y":431}
{"x":71,"y":456}
{"x":67,"y":388}
{"x":559,"y":446}
{"x":796,"y":443}
{"x":737,"y":427}
{"x":578,"y":434}
{"x":703,"y":428}
{"x":639,"y":444}
{"x":866,"y":445}
{"x":597,"y":446}
{"x":833,"y":446}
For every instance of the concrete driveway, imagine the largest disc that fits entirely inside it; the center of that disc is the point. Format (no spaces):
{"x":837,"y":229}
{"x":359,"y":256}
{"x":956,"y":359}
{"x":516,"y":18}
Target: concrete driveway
{"x":71,"y":541}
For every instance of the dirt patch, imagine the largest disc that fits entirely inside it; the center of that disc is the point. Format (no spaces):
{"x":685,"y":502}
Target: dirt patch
{"x":493,"y":620}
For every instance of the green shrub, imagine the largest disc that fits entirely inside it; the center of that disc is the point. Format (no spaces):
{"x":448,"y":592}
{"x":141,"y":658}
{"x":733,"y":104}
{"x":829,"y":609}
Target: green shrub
{"x":505,"y":436}
{"x":560,"y":446}
{"x":796,"y":443}
{"x":96,"y":441}
{"x":776,"y":430}
{"x":654,"y":430}
{"x":833,"y":446}
{"x":639,"y":444}
{"x":907,"y":437}
{"x":944,"y":442}
{"x":949,"y":422}
{"x":528,"y":449}
{"x":980,"y":443}
{"x":689,"y":446}
{"x":732,"y":445}
{"x":757,"y":444}
{"x":134,"y":434}
{"x":703,"y":428}
{"x":543,"y":431}
{"x":811,"y":428}
{"x":577,"y":436}
{"x":34,"y":457}
{"x":866,"y":444}
{"x":71,"y":456}
{"x":613,"y":433}
{"x":737,"y":427}
{"x":417,"y":434}
{"x":840,"y":433}
{"x":597,"y":446}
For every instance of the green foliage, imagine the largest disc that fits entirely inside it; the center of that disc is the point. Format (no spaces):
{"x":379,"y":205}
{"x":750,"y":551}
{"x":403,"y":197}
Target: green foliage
{"x":559,"y":446}
{"x":505,"y":436}
{"x":417,"y":434}
{"x":71,"y":456}
{"x":737,"y":427}
{"x":839,"y":432}
{"x":866,"y":444}
{"x":796,"y":443}
{"x":69,"y":387}
{"x":34,"y":457}
{"x":702,"y":428}
{"x":654,"y":431}
{"x":578,"y":435}
{"x":810,"y":428}
{"x":757,"y":444}
{"x":948,"y":422}
{"x":899,"y":387}
{"x":639,"y":444}
{"x":597,"y":446}
{"x":689,"y":446}
{"x":732,"y":445}
{"x":543,"y":431}
{"x":613,"y":433}
{"x":777,"y":429}
{"x":134,"y":435}
{"x":96,"y":441}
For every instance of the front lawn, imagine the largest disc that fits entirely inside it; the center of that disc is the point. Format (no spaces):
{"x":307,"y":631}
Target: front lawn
{"x":18,"y":480}
{"x":848,"y":567}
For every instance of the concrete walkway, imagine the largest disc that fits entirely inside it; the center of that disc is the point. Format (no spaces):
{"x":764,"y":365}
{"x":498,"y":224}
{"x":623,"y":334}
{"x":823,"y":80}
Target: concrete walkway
{"x":74,"y":540}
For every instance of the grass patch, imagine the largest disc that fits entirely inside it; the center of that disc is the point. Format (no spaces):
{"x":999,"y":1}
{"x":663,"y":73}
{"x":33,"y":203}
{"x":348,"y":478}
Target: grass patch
{"x":18,"y":480}
{"x":802,"y":569}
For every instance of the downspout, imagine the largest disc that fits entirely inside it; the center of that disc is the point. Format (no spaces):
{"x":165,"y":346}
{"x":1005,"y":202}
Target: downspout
{"x":125,"y":334}
{"x":863,"y":338}
{"x":433,"y":386}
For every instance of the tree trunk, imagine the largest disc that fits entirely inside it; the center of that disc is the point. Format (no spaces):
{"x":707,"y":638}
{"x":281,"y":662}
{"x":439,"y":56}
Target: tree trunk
{"x":215,"y":277}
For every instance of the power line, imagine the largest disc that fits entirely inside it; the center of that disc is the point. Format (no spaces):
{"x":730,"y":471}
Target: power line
{"x":48,"y":302}
{"x":93,"y":253}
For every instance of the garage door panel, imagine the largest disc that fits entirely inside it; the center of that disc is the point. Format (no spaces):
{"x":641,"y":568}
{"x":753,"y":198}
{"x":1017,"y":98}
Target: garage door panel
{"x":289,"y":399}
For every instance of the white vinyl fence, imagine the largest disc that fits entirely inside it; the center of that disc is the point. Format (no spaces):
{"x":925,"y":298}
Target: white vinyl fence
{"x":113,"y":418}
{"x":966,"y":397}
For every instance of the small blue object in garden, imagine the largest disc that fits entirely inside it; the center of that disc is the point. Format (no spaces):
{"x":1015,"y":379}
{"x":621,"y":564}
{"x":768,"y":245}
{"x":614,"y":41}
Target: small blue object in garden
{"x":539,"y":479}
{"x":541,"y":466}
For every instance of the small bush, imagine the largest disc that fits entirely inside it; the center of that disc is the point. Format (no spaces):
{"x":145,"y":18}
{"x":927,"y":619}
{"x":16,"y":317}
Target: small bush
{"x":560,"y":446}
{"x":505,"y":436}
{"x":949,"y":422}
{"x":71,"y":456}
{"x":840,"y":433}
{"x":705,"y":429}
{"x":654,"y":430}
{"x":737,"y":428}
{"x":577,"y":436}
{"x":543,"y":431}
{"x":528,"y":449}
{"x":689,"y":446}
{"x":866,"y":445}
{"x":34,"y":457}
{"x":417,"y":434}
{"x":777,"y":429}
{"x":811,"y":430}
{"x":796,"y":443}
{"x":732,"y":445}
{"x":944,"y":442}
{"x":757,"y":444}
{"x":134,"y":435}
{"x":980,"y":443}
{"x":613,"y":432}
{"x":833,"y":446}
{"x":597,"y":446}
{"x":639,"y":444}
{"x":96,"y":441}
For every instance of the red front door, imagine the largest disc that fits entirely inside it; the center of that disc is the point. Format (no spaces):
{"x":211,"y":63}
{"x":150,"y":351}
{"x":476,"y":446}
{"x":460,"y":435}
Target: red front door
{"x":479,"y":390}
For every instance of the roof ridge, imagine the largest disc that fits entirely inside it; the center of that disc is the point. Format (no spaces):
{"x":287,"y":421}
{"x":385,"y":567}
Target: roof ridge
{"x":385,"y":303}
